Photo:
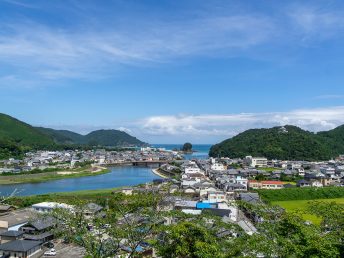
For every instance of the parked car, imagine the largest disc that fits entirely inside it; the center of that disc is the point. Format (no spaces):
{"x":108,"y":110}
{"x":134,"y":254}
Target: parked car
{"x":49,"y":244}
{"x":51,"y":252}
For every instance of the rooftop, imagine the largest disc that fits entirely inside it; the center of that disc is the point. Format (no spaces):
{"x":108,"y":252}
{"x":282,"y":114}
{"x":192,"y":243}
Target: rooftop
{"x":19,"y":245}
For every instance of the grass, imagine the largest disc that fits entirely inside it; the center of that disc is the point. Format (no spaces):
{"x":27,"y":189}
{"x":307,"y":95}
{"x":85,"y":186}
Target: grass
{"x":302,"y":207}
{"x":63,"y":197}
{"x":47,"y":176}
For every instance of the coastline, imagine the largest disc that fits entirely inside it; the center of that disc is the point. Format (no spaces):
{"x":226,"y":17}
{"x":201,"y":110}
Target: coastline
{"x":156,"y":172}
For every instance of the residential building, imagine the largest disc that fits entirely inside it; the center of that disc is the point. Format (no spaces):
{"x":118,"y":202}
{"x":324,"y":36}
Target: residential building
{"x":256,"y":161}
{"x":20,"y":248}
{"x":253,"y":184}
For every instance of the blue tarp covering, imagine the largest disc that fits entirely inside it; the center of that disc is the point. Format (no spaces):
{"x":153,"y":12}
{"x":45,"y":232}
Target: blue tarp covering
{"x":205,"y":205}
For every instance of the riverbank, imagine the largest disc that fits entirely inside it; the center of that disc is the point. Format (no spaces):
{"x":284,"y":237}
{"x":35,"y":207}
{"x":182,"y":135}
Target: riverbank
{"x":49,"y":176}
{"x":158,"y":173}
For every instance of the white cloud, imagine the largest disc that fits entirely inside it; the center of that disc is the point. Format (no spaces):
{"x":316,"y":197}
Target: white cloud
{"x":124,"y":129}
{"x":228,"y":125}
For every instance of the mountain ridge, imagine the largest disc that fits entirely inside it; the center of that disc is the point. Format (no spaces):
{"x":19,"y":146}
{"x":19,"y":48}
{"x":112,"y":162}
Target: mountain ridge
{"x":19,"y":133}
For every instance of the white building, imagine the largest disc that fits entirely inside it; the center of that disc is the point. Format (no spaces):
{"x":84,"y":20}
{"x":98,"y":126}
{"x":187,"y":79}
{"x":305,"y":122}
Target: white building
{"x":241,"y":180}
{"x":256,"y":161}
{"x":49,"y":206}
{"x":192,"y":170}
{"x":217,"y":196}
{"x":217,"y":167}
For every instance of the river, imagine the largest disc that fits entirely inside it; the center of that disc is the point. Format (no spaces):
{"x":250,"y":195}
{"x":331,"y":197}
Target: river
{"x":118,"y":177}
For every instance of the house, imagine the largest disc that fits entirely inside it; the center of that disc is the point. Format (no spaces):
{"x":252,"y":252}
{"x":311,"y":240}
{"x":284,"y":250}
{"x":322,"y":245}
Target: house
{"x":5,"y":209}
{"x":303,"y":183}
{"x":217,"y":196}
{"x":316,"y":183}
{"x":39,"y":229}
{"x":217,"y":167}
{"x":44,"y":207}
{"x":127,"y":191}
{"x":15,"y":219}
{"x":189,"y":190}
{"x":249,"y":197}
{"x":253,"y":184}
{"x":8,"y":236}
{"x":92,"y":209}
{"x":190,"y":170}
{"x":20,"y":248}
{"x":173,"y":188}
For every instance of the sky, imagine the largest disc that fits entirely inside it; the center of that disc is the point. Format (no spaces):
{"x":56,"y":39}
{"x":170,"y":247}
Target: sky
{"x":173,"y":71}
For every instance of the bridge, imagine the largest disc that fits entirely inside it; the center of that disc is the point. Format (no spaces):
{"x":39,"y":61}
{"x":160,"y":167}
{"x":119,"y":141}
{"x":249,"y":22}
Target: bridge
{"x":144,"y":163}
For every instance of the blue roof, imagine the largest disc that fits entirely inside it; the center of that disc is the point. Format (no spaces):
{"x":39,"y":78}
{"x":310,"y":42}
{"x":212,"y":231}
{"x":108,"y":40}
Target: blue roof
{"x":205,"y":205}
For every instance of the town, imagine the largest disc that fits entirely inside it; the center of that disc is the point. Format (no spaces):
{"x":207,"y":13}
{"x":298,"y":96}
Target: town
{"x":197,"y":187}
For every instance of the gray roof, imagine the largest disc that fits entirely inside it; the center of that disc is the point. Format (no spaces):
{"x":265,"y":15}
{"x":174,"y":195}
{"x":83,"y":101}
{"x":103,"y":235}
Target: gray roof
{"x":5,"y":207}
{"x":19,"y":245}
{"x":42,"y":223}
{"x":249,"y":197}
{"x":12,"y":233}
{"x":93,"y":207}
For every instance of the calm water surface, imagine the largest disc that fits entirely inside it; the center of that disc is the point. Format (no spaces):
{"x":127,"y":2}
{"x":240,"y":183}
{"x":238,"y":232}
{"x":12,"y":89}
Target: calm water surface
{"x":202,"y":150}
{"x":119,"y":176}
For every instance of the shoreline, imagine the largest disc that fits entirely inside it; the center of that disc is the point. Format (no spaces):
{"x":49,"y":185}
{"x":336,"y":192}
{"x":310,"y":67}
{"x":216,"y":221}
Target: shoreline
{"x":156,"y":172}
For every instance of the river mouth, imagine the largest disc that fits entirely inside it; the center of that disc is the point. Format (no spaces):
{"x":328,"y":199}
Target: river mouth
{"x":118,"y":177}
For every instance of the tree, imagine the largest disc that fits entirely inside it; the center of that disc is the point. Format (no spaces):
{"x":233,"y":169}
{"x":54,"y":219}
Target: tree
{"x":187,"y":147}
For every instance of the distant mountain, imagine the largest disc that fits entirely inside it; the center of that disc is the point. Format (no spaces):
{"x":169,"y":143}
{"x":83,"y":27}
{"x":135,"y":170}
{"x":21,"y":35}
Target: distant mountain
{"x":286,"y":142}
{"x":62,"y":136}
{"x":17,"y":136}
{"x":111,"y":138}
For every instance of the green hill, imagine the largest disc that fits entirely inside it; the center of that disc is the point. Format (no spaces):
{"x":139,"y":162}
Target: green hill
{"x":16,"y":137}
{"x":62,"y":136}
{"x":288,"y":142}
{"x":20,"y":133}
{"x":111,"y":138}
{"x":96,"y":138}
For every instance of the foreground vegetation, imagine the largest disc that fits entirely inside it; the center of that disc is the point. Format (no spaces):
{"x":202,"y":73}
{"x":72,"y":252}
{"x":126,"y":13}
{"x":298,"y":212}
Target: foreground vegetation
{"x":138,"y":220}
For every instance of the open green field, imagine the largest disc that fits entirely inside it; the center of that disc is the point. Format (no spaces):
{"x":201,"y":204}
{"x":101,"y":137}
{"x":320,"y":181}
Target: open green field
{"x":302,"y":206}
{"x":64,"y":197}
{"x":47,"y":176}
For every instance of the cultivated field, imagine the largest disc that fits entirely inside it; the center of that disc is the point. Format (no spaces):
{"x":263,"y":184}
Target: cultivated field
{"x":302,"y":207}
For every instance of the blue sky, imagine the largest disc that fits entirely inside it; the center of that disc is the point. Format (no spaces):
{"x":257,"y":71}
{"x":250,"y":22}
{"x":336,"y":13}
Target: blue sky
{"x":173,"y":71}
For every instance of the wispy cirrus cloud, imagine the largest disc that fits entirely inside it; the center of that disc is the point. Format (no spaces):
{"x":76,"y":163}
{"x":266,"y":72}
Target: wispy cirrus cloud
{"x":50,"y":54}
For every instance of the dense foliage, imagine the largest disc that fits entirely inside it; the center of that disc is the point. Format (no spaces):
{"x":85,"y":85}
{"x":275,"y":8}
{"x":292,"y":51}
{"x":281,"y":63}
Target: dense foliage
{"x":306,"y":193}
{"x":20,"y":133}
{"x":138,"y":220}
{"x":288,"y":142}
